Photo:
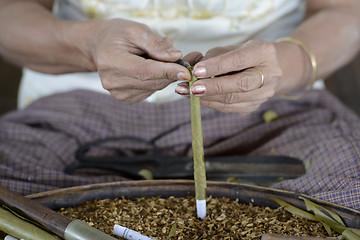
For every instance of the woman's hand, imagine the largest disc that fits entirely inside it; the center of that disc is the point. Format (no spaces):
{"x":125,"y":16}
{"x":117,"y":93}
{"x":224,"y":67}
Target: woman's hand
{"x":237,"y":83}
{"x":132,"y":61}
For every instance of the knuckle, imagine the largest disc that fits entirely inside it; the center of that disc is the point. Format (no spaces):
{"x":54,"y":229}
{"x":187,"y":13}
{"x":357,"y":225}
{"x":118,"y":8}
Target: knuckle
{"x":118,"y":95}
{"x":205,"y":103}
{"x":277,"y":73}
{"x":143,"y":27}
{"x":107,"y":83}
{"x":254,"y":43}
{"x":218,"y":88}
{"x":123,"y":96}
{"x":130,"y":100}
{"x":159,"y":43}
{"x":258,"y":42}
{"x":214,"y":51}
{"x":143,"y":73}
{"x":215,"y":67}
{"x":159,"y":84}
{"x":102,"y":63}
{"x":120,"y":82}
{"x":238,"y":60}
{"x":269,"y":48}
{"x":243,"y":84}
{"x":134,"y":32}
{"x":169,"y":75}
{"x":226,"y":108}
{"x":244,"y":113}
{"x":270,"y":93}
{"x":253,"y":108}
{"x":229,"y":98}
{"x":248,"y":110}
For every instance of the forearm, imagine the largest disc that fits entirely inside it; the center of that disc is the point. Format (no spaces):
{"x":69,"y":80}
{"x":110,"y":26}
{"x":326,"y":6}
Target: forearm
{"x":332,"y":34}
{"x":32,"y":37}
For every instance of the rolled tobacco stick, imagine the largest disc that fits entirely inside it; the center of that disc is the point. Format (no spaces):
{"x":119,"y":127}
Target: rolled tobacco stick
{"x":198,"y":152}
{"x":8,"y":237}
{"x":46,"y":218}
{"x":129,"y":234}
{"x":22,"y":229}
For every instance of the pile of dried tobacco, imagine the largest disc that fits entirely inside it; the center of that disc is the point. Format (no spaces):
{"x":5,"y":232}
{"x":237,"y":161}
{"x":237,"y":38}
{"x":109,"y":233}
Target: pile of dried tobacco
{"x":226,"y":219}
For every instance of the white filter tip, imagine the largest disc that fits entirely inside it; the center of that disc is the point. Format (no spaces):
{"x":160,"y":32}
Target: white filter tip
{"x":129,"y":234}
{"x":8,"y":237}
{"x":201,"y":208}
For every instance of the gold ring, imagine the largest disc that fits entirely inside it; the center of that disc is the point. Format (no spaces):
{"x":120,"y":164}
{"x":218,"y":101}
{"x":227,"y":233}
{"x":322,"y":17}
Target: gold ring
{"x":262,"y":77}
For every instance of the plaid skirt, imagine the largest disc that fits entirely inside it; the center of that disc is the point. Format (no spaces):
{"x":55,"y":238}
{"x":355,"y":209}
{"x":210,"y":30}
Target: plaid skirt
{"x":39,"y":142}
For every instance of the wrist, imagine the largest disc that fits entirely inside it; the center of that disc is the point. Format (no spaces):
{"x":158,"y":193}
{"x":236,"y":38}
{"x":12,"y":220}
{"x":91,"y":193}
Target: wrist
{"x":296,"y":65}
{"x":77,"y":37}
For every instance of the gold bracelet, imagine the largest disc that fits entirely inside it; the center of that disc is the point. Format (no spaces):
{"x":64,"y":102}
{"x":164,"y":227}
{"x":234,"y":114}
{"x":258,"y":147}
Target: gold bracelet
{"x":313,"y":63}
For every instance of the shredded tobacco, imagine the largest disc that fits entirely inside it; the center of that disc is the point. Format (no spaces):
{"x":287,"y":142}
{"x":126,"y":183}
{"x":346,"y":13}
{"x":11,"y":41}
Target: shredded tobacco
{"x":226,"y":219}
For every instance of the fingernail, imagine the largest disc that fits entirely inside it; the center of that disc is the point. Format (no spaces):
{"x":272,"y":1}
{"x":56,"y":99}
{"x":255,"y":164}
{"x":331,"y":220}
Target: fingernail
{"x":183,"y":76}
{"x":182,"y":90}
{"x":199,"y":71}
{"x":198,"y":89}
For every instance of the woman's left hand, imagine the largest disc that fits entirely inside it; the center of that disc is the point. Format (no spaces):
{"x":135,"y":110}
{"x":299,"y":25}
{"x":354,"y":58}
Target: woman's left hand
{"x":236,"y":78}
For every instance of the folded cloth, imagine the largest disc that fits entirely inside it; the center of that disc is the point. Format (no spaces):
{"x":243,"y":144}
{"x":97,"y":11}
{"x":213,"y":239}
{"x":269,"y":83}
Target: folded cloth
{"x":39,"y":142}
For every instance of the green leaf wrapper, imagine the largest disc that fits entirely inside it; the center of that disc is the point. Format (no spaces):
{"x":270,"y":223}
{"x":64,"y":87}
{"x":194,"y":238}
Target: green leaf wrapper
{"x":197,"y":144}
{"x":330,"y":221}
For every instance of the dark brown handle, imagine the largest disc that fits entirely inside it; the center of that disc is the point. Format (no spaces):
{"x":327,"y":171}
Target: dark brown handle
{"x":51,"y":220}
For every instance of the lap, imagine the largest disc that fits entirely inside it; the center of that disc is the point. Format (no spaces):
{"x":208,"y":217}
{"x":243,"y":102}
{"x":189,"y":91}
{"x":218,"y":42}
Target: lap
{"x":38,"y":142}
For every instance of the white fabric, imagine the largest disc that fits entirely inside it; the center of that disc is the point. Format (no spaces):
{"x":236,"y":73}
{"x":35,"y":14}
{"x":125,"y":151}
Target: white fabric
{"x":194,"y":25}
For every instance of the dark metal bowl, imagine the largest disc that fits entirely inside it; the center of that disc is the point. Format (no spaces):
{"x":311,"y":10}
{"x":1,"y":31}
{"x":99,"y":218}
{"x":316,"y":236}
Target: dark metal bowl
{"x":69,"y":197}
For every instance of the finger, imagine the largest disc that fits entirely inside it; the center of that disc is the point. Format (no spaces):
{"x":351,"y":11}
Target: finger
{"x":232,"y":98}
{"x":149,"y":69}
{"x":124,"y":83}
{"x":157,"y":47}
{"x":216,"y":51}
{"x":139,"y":97}
{"x":248,"y":80}
{"x":193,"y":58}
{"x":183,"y":89}
{"x":248,"y":55}
{"x":243,"y":108}
{"x":130,"y":96}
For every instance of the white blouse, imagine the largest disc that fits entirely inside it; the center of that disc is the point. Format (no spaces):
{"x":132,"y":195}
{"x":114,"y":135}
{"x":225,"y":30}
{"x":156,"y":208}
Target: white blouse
{"x":194,"y":25}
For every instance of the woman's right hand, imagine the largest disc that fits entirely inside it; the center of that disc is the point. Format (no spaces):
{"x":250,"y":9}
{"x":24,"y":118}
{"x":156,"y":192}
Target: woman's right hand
{"x":132,"y":61}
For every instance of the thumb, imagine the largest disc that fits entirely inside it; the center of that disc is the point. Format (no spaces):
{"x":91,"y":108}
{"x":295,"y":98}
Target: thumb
{"x":159,"y":48}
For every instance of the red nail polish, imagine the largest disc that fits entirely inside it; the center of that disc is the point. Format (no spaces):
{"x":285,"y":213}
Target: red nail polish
{"x":183,"y":76}
{"x":182,"y":90}
{"x":199,"y":71}
{"x":197,"y":90}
